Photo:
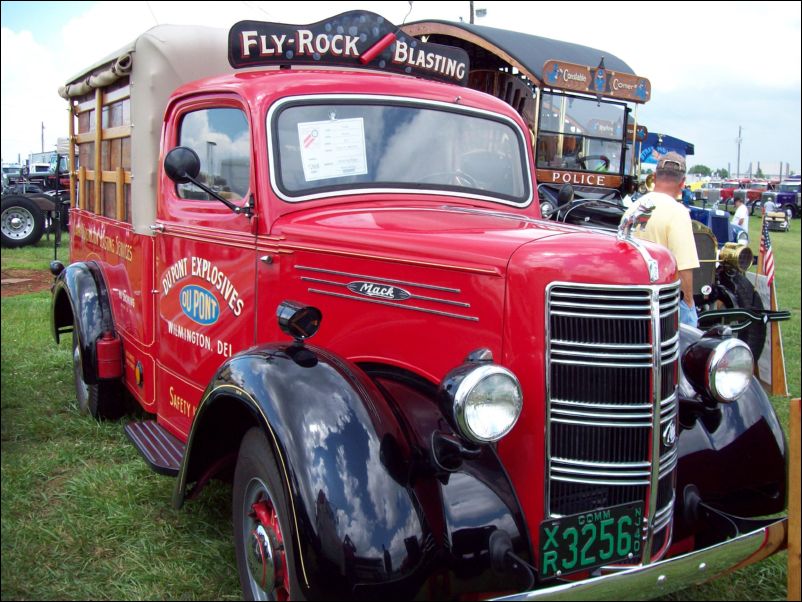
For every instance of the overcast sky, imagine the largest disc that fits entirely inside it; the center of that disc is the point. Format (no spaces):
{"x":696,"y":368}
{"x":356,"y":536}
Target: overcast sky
{"x":713,"y":66}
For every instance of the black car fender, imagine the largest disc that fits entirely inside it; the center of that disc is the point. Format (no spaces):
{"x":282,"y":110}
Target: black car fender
{"x":80,"y":300}
{"x":733,"y":455}
{"x":373,"y":516}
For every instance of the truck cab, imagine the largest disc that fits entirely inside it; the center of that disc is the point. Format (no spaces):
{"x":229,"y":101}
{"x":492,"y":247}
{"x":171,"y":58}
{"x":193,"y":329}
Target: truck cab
{"x":325,"y":278}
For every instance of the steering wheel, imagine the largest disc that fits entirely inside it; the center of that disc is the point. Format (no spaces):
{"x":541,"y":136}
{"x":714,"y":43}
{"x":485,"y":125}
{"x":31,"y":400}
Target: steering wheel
{"x":603,"y":158}
{"x":456,"y":177}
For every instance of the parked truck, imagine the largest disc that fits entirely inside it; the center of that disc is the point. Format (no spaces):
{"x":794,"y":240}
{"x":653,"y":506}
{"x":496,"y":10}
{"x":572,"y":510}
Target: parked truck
{"x":493,"y":404}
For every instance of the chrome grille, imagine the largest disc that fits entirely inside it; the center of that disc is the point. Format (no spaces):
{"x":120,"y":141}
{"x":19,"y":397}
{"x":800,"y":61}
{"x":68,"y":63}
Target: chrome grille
{"x":612,"y":373}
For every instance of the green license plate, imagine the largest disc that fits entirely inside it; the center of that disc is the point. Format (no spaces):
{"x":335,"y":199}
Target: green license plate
{"x":590,"y":539}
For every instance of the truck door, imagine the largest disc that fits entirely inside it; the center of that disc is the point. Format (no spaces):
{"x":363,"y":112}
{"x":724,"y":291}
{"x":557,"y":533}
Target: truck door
{"x":205,"y":256}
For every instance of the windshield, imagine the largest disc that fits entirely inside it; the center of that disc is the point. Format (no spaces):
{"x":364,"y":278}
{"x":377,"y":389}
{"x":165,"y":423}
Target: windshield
{"x":336,"y":145}
{"x":580,"y":133}
{"x":790,"y":187}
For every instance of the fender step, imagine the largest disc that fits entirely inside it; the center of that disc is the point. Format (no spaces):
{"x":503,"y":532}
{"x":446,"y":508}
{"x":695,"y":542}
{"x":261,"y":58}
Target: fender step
{"x":162,"y":451}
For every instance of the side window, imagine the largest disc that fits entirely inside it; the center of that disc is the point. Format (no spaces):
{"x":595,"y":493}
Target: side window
{"x":222,"y":140}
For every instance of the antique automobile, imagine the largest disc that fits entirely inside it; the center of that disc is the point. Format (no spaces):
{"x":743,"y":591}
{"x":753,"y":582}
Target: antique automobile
{"x":494,"y":404}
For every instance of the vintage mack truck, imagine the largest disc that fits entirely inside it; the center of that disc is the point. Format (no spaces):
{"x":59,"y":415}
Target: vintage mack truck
{"x":494,"y":404}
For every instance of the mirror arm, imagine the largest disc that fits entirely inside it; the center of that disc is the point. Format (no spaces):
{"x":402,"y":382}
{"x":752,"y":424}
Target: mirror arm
{"x":246,"y":210}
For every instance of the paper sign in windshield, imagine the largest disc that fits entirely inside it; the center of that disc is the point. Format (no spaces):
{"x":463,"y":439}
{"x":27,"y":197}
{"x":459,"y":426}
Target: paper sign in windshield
{"x":333,"y":148}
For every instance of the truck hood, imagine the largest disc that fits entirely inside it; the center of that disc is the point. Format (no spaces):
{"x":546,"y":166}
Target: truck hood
{"x":472,"y":238}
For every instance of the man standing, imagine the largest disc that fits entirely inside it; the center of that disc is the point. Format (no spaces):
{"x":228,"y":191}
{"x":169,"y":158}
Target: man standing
{"x":741,"y":217}
{"x":670,"y":225}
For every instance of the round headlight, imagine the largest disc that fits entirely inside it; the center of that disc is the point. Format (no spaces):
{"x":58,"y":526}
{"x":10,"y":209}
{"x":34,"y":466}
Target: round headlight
{"x":729,"y":370}
{"x":487,"y":403}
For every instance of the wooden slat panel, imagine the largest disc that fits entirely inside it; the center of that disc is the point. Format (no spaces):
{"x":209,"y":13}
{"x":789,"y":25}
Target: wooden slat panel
{"x":116,"y":96}
{"x":123,"y":131}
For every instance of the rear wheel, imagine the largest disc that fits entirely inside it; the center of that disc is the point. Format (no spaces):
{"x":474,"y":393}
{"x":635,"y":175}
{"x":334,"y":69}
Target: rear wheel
{"x":262,"y":532}
{"x":21,"y":222}
{"x":104,"y":400}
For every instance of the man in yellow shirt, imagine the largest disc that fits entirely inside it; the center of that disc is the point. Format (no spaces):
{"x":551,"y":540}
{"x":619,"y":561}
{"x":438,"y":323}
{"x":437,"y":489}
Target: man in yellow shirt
{"x":670,"y":225}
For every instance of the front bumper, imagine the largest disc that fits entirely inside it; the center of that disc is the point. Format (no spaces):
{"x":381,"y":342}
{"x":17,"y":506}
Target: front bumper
{"x":666,"y":576}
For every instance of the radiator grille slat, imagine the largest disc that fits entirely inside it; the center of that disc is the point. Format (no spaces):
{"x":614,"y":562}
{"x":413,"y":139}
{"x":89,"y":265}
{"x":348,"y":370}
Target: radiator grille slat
{"x":601,"y":398}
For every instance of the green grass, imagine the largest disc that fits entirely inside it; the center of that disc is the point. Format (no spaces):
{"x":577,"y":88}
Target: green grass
{"x":84,"y":518}
{"x":35,"y":257}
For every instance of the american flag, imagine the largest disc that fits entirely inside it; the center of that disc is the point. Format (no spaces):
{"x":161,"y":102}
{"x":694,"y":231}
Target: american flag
{"x":765,"y":251}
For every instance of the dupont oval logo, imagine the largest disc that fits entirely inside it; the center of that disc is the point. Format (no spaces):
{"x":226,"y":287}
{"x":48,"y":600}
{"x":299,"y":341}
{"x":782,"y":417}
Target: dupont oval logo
{"x":199,"y":305}
{"x":378,"y":291}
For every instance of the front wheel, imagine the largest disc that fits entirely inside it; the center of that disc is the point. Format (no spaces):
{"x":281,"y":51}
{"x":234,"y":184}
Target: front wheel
{"x":104,"y":400}
{"x":21,"y":222}
{"x":262,"y":532}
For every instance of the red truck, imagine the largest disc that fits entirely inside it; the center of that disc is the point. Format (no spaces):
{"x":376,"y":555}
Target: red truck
{"x":493,"y":404}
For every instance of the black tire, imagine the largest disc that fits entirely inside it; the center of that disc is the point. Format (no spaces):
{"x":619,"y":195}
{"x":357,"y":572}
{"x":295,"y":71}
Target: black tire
{"x":747,"y":298}
{"x":103,"y":400}
{"x":21,"y":221}
{"x":257,"y":481}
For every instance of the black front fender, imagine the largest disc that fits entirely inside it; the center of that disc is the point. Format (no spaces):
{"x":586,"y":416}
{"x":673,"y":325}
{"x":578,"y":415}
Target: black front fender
{"x":373,"y":518}
{"x":733,"y":454}
{"x":80,"y":301}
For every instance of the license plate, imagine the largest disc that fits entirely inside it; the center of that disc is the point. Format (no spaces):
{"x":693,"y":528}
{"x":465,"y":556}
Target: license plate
{"x":590,"y":539}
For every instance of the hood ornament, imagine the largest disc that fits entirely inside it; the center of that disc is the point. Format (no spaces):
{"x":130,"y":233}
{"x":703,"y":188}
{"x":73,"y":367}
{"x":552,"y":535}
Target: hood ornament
{"x":635,"y":218}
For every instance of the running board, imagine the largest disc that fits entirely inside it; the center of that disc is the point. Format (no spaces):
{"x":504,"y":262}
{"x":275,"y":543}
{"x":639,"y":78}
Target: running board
{"x":161,"y":450}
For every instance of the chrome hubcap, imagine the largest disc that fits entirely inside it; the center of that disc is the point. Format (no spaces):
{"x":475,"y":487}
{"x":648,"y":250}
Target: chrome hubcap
{"x":264,"y":545}
{"x":17,"y":222}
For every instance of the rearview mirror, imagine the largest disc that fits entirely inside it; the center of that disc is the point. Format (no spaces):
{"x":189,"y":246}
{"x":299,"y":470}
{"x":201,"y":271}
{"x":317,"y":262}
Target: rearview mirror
{"x":182,"y":165}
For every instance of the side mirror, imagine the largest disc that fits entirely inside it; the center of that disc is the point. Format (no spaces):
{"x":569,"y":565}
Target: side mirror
{"x":182,"y":165}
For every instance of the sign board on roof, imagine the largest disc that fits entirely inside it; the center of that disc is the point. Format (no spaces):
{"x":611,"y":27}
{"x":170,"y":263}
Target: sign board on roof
{"x":351,"y":39}
{"x":596,"y":80}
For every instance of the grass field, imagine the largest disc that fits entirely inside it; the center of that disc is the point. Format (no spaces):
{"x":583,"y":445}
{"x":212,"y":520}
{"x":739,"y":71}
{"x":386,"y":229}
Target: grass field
{"x":84,"y":518}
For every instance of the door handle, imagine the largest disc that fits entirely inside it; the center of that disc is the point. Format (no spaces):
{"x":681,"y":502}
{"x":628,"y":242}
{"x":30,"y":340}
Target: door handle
{"x":156,"y":228}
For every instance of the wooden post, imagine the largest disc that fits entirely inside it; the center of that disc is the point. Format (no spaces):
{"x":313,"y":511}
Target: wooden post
{"x":778,"y":383}
{"x":82,"y":191}
{"x":794,"y":511}
{"x":73,"y":174}
{"x":120,"y":175}
{"x":98,"y":206}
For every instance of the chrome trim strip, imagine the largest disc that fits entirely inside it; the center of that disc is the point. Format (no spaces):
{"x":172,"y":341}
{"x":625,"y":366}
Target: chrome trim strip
{"x":612,"y":424}
{"x":632,"y":465}
{"x":642,"y":307}
{"x":411,"y":295}
{"x":606,"y":316}
{"x":623,"y":356}
{"x":621,"y":346}
{"x":603,"y":364}
{"x":666,"y":576}
{"x":639,"y":296}
{"x":432,"y":287}
{"x":588,"y":473}
{"x":605,"y":406}
{"x":609,"y":415}
{"x":398,"y":305}
{"x":588,"y":480}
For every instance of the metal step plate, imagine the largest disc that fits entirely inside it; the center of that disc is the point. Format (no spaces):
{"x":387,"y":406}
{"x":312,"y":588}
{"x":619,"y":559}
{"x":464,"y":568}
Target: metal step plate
{"x":161,"y":450}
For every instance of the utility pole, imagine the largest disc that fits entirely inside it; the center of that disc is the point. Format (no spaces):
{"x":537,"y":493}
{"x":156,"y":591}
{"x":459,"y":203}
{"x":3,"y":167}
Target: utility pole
{"x":471,"y":3}
{"x":43,"y":136}
{"x":738,"y":141}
